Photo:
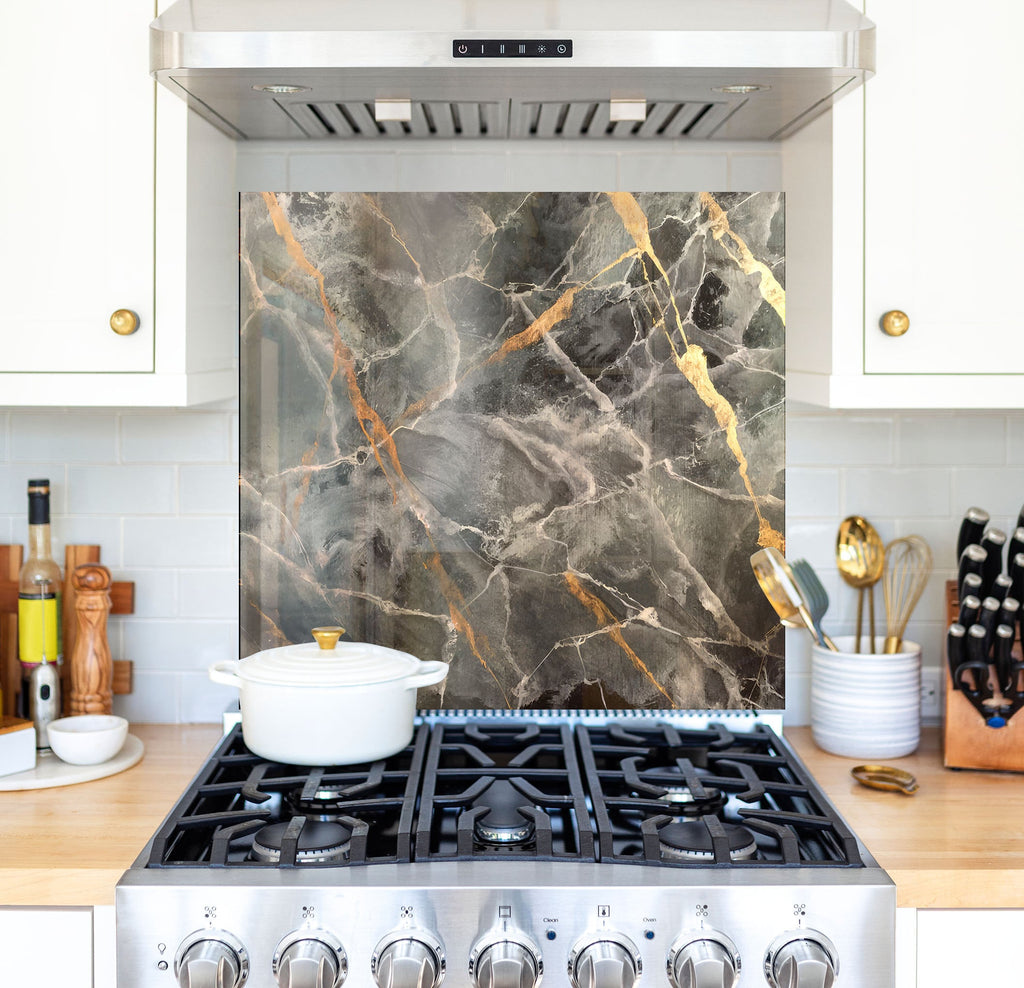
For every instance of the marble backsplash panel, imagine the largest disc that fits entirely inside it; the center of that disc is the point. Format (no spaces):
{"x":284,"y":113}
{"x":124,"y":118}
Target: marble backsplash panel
{"x":535,"y":435}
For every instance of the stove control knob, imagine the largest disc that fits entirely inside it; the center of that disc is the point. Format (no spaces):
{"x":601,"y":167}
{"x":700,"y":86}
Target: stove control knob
{"x":408,"y":959}
{"x":607,"y":960}
{"x":499,"y":962}
{"x":211,"y":959}
{"x":708,"y":961}
{"x":310,"y":959}
{"x":801,"y":959}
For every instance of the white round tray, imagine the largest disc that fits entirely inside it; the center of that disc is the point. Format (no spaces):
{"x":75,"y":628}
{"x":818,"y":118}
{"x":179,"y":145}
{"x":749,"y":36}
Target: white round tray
{"x":50,"y":771}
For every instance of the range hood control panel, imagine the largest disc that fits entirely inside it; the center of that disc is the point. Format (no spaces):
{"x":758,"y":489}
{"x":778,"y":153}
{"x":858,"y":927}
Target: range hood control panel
{"x":515,"y":48}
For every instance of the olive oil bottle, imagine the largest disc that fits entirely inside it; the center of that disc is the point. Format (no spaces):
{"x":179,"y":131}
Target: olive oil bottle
{"x":39,"y":593}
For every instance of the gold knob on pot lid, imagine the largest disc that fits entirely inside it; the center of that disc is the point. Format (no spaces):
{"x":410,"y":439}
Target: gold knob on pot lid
{"x":327,"y":637}
{"x":895,"y":323}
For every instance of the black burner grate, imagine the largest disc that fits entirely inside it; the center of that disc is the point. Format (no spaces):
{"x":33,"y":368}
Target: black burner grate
{"x":630,"y":792}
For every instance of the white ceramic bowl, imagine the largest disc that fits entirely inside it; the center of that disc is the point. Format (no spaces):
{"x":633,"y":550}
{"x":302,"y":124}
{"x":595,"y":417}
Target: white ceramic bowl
{"x":88,"y":739}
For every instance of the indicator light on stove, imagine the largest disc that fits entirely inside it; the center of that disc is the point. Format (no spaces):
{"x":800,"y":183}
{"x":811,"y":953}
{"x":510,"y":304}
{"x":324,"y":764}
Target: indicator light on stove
{"x":708,"y":961}
{"x":607,"y":961}
{"x":211,"y":959}
{"x":310,"y":959}
{"x":801,"y":959}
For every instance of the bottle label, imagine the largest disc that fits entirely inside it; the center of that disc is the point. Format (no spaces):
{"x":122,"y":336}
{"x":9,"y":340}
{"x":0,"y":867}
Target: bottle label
{"x":38,"y":629}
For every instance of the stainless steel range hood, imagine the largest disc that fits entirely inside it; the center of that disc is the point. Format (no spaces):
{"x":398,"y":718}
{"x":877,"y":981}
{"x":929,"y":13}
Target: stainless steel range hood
{"x":495,"y":69}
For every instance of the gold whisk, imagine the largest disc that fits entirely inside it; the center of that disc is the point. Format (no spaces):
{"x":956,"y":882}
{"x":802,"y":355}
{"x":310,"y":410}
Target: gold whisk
{"x":908,"y":563}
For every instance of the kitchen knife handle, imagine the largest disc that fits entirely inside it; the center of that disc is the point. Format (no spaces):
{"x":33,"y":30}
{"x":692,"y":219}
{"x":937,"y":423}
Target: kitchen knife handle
{"x":971,"y":528}
{"x":1017,"y":576}
{"x":970,"y":608}
{"x":1016,"y":545}
{"x":1003,"y":660}
{"x":955,"y":650}
{"x":977,"y":661}
{"x":1009,"y":612}
{"x":993,"y":542}
{"x":988,"y":618}
{"x":1000,"y":586}
{"x":972,"y":560}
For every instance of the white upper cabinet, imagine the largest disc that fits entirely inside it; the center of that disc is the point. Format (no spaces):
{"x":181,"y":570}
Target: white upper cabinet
{"x":96,"y":205}
{"x":903,"y":200}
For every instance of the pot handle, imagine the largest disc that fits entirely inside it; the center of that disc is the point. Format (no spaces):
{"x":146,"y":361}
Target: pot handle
{"x":224,"y":673}
{"x":429,"y":673}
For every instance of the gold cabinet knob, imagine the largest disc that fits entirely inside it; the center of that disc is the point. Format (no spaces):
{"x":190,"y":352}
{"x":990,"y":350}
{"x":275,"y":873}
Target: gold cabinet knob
{"x":328,"y":637}
{"x":895,"y":323}
{"x":124,"y":322}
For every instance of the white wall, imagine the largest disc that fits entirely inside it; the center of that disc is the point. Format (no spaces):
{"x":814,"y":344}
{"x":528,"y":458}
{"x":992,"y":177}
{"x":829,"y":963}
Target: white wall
{"x":158,"y":490}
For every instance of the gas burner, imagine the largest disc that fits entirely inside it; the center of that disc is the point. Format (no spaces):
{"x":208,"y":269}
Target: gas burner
{"x":681,"y":801}
{"x":691,"y":841}
{"x":327,"y":803}
{"x":319,"y":843}
{"x":502,"y":823}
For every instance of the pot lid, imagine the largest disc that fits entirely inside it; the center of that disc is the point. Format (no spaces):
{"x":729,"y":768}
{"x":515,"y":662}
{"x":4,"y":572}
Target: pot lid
{"x":328,"y":662}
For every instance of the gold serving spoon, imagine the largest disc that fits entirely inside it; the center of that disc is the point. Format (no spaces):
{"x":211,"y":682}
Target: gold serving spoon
{"x":775,"y":578}
{"x":860,"y":558}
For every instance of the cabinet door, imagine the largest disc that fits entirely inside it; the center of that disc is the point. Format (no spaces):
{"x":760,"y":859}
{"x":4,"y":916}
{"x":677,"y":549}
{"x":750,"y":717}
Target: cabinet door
{"x":968,"y":947}
{"x":46,"y":948}
{"x":77,"y":174}
{"x":944,"y":133}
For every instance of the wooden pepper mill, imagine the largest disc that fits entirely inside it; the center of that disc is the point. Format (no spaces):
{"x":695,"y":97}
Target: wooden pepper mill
{"x":91,"y":669}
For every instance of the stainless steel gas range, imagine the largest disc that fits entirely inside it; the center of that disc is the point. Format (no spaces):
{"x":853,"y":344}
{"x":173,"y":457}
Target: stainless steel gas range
{"x":500,"y":850}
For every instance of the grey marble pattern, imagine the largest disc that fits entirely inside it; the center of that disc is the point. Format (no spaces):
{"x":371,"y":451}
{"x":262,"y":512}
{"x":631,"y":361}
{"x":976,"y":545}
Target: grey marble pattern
{"x":535,"y":435}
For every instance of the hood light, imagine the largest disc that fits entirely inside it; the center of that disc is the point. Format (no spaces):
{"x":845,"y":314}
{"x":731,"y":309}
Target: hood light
{"x":741,"y":90}
{"x":281,"y":90}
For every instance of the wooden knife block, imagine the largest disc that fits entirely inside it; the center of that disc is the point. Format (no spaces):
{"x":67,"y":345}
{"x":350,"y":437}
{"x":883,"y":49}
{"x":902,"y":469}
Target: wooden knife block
{"x":968,"y":742}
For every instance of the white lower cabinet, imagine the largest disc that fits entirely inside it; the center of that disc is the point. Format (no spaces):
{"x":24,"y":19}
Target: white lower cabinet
{"x":47,"y":947}
{"x":969,"y":947}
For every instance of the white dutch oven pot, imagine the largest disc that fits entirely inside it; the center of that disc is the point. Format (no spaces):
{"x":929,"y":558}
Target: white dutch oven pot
{"x":328,"y":703}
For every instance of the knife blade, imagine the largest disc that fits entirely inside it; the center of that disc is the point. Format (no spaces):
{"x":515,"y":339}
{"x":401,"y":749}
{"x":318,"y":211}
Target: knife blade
{"x":972,"y":560}
{"x":956,"y":653}
{"x":992,"y":542}
{"x":971,"y":528}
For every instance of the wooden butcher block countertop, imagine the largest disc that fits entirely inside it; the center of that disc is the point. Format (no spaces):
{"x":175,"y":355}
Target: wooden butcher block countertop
{"x":958,"y":843}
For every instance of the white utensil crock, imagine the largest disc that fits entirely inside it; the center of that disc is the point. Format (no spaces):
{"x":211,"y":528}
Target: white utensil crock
{"x":304,"y":705}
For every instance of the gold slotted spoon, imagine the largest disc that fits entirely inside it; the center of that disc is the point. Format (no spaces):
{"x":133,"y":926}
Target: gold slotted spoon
{"x":860,"y":558}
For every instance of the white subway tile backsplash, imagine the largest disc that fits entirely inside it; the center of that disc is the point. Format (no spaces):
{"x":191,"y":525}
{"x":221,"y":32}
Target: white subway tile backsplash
{"x":161,"y":646}
{"x":156,"y":591}
{"x":174,"y":437}
{"x":999,"y":490}
{"x":816,"y":440}
{"x":668,"y":172}
{"x":154,"y":699}
{"x":210,"y":593}
{"x":72,"y":437}
{"x":812,"y":493}
{"x":180,"y":542}
{"x":202,"y":700}
{"x":949,"y":440}
{"x":813,"y":540}
{"x":208,"y":490}
{"x":14,"y":480}
{"x":101,"y":530}
{"x":897,"y":493}
{"x":121,"y":490}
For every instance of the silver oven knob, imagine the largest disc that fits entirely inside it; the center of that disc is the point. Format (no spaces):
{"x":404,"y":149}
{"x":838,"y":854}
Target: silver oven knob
{"x":605,"y":961}
{"x":413,"y":959}
{"x":310,"y":959}
{"x":506,"y":963}
{"x":801,"y":959}
{"x":211,"y":959}
{"x":709,"y":961}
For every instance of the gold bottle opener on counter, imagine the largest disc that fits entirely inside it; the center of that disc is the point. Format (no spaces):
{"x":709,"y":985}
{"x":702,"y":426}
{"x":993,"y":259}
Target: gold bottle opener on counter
{"x":885,"y":777}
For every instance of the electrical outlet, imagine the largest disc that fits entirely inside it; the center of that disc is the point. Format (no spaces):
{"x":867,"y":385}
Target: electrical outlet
{"x":931,"y":694}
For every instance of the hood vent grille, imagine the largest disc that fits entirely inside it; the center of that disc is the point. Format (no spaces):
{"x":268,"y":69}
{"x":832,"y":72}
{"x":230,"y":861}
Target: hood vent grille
{"x":442,"y":119}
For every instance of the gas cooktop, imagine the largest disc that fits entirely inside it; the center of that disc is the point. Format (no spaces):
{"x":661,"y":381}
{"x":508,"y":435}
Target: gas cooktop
{"x":630,"y":792}
{"x":583,"y":850}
